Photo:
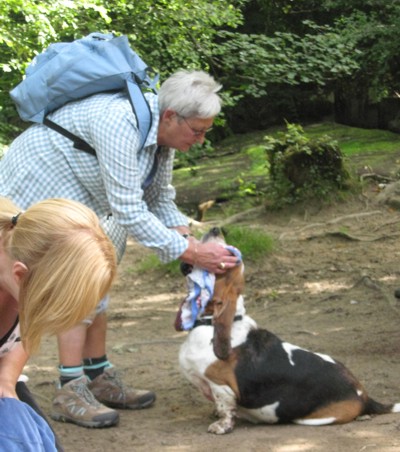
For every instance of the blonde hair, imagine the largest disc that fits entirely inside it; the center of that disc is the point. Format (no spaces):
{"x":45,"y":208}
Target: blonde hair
{"x":71,"y":264}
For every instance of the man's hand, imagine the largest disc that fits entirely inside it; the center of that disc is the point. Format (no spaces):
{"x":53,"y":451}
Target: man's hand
{"x":213,"y":257}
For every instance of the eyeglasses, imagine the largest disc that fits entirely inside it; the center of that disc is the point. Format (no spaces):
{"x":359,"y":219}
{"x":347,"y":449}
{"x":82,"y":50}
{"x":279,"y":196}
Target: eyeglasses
{"x":196,"y":132}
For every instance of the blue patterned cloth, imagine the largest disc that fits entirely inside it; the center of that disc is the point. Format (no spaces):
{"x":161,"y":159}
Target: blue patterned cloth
{"x":235,"y":252}
{"x":41,"y":164}
{"x":200,"y":286}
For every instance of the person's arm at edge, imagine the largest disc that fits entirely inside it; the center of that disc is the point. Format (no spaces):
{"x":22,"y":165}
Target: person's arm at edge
{"x":11,"y":367}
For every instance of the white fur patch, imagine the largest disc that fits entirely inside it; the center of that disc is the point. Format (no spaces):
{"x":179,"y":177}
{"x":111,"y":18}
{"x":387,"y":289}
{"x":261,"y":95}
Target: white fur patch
{"x":265,"y":414}
{"x":325,"y":357}
{"x":315,"y":422}
{"x":290,"y":348}
{"x":196,"y":352}
{"x":396,"y":408}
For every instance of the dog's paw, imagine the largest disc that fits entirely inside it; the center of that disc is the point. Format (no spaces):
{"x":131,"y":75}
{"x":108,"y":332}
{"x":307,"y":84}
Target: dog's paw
{"x":221,"y":427}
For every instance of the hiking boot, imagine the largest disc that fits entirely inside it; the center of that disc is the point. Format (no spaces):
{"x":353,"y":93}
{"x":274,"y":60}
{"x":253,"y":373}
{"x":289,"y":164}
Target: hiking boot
{"x":109,"y":389}
{"x":75,"y":403}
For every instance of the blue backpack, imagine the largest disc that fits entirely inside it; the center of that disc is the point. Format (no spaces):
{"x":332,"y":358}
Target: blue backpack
{"x":65,"y":72}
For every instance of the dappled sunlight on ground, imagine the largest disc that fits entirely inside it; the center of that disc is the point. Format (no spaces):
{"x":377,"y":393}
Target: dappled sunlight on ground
{"x":325,"y":286}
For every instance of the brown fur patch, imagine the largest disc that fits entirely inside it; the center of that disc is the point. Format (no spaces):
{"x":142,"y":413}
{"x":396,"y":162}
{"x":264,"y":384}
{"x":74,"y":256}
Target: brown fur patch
{"x":344,"y":411}
{"x":223,"y":373}
{"x":228,"y":286}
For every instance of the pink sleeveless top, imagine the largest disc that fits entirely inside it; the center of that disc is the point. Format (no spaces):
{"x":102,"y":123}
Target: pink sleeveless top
{"x":9,"y":340}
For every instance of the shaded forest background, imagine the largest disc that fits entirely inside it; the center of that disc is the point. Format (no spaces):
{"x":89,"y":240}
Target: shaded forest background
{"x":299,"y":60}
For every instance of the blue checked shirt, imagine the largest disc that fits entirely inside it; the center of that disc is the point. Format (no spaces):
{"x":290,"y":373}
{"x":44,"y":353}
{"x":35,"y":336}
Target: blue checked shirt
{"x":42,"y":164}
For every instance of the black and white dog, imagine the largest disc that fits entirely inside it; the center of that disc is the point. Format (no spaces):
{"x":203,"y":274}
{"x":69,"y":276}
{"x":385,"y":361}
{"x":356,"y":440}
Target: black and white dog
{"x":250,"y":373}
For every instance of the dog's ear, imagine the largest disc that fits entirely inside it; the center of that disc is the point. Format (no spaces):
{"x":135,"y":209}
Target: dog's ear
{"x":233,"y":283}
{"x":227,"y":289}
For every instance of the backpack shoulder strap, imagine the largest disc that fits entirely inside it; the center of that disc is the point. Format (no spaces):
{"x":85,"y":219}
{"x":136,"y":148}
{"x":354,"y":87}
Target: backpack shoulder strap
{"x":78,"y":142}
{"x":141,"y":109}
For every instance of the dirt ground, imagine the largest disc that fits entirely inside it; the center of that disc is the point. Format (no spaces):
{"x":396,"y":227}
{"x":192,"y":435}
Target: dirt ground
{"x":328,"y":286}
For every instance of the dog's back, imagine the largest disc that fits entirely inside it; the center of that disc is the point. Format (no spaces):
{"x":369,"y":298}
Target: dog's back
{"x":310,"y":388}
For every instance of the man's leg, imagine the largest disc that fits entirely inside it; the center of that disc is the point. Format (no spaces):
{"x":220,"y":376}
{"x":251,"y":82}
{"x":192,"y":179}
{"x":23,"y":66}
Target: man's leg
{"x":105,"y":384}
{"x":73,"y":401}
{"x":95,"y":340}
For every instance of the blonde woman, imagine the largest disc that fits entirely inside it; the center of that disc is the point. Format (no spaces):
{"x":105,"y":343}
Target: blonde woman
{"x":56,"y":263}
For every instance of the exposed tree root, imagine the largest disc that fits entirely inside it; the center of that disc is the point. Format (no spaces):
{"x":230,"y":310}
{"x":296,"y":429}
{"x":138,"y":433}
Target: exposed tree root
{"x":344,"y":235}
{"x":302,"y":235}
{"x":370,"y":283}
{"x":203,"y":226}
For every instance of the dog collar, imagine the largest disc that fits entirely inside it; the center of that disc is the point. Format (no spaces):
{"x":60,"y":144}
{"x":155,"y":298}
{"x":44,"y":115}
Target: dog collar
{"x":207,"y":321}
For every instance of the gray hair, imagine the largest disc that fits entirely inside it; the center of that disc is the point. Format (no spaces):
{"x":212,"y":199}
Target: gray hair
{"x":190,"y":94}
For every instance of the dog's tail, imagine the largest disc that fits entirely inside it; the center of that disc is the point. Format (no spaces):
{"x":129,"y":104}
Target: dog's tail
{"x":374,"y":407}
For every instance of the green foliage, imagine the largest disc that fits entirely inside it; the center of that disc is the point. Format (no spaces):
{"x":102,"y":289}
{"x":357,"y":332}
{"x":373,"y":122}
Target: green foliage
{"x":174,"y":34}
{"x":169,"y":35}
{"x":152,"y":263}
{"x":302,"y":168}
{"x":357,"y":141}
{"x":254,"y":244}
{"x":333,"y":50}
{"x":373,"y":27}
{"x":370,"y":27}
{"x":26,"y":28}
{"x":246,"y":188}
{"x":320,"y":57}
{"x":190,"y":159}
